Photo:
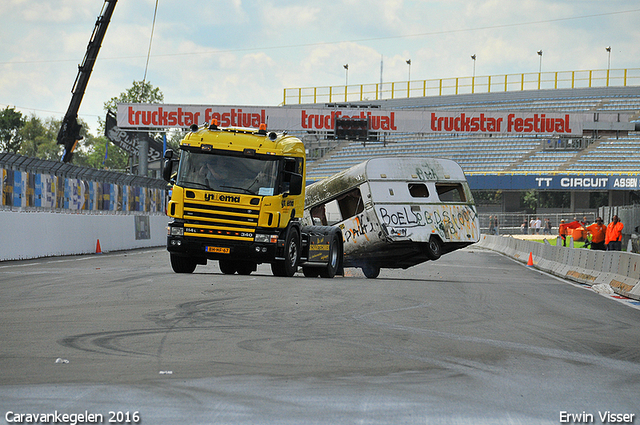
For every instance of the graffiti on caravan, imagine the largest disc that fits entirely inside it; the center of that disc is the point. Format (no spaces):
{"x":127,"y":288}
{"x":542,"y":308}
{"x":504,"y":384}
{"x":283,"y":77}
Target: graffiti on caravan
{"x":446,"y":220}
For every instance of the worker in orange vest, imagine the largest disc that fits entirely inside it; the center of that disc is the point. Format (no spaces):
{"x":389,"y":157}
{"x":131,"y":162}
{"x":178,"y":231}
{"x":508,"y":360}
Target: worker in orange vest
{"x":598,"y":232}
{"x":613,"y":237}
{"x":562,"y":231}
{"x":566,"y":229}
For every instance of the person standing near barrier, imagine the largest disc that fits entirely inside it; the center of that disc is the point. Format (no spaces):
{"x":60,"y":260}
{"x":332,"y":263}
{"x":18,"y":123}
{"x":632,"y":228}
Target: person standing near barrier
{"x":566,"y":229}
{"x":613,"y":236}
{"x":584,"y":222}
{"x":562,"y":231}
{"x":538,"y":225}
{"x":598,"y":232}
{"x":532,"y":226}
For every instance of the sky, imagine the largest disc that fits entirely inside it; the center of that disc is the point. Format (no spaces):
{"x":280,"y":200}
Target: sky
{"x":246,"y":52}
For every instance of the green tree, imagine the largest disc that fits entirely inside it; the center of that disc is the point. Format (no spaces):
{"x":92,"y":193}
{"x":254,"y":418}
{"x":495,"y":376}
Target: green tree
{"x":11,"y":121}
{"x":139,"y":92}
{"x":115,"y":159}
{"x":554,"y":199}
{"x":487,"y":196}
{"x":529,"y":200}
{"x":39,"y":138}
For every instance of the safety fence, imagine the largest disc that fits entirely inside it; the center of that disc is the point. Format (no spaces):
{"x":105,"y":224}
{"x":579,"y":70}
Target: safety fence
{"x":464,"y":85}
{"x":31,"y":184}
{"x":520,"y":223}
{"x":516,"y":223}
{"x":618,"y":270}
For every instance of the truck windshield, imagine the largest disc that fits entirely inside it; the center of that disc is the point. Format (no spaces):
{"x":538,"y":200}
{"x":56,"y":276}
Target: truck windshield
{"x":233,"y":174}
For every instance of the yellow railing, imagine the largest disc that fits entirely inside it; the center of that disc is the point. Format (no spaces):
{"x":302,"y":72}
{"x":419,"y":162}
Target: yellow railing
{"x":464,"y":85}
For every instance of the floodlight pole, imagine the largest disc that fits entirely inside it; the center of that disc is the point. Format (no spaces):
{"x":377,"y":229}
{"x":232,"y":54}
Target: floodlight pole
{"x":473,"y":57}
{"x":540,"y":68}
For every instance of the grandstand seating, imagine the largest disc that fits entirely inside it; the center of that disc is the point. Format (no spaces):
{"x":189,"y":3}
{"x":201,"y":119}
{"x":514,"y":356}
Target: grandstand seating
{"x":501,"y":153}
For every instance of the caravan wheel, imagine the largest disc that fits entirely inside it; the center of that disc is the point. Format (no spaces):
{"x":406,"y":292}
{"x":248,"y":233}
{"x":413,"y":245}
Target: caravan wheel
{"x":371,"y":272}
{"x":434,"y":248}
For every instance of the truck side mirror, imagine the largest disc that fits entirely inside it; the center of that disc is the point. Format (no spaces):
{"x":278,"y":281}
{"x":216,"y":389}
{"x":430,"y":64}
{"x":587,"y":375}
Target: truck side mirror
{"x":167,"y":166}
{"x":295,"y":184}
{"x":167,"y":170}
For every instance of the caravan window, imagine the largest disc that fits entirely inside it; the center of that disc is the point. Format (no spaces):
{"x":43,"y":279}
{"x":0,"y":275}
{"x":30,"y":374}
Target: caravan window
{"x":336,"y":210}
{"x":350,"y":203}
{"x":418,"y":190}
{"x":451,"y":192}
{"x":333,"y":212}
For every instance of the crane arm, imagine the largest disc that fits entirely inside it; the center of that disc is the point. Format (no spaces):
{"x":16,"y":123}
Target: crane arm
{"x":69,"y":133}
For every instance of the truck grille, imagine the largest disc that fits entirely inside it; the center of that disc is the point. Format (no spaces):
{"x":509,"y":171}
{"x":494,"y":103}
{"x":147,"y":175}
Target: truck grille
{"x":221,"y":221}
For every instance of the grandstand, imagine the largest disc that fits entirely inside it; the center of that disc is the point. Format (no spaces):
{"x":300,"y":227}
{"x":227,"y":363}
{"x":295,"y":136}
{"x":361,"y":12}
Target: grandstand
{"x":605,"y":152}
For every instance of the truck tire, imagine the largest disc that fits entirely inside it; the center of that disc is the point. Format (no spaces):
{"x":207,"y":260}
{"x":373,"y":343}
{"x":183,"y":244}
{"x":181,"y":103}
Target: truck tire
{"x":434,"y":248}
{"x":181,"y":264}
{"x":334,"y":259}
{"x":371,"y":272}
{"x":289,"y":266}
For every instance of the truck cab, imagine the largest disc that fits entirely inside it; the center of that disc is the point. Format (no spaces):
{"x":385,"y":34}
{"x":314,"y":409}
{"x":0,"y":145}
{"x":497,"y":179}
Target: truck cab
{"x":238,"y":197}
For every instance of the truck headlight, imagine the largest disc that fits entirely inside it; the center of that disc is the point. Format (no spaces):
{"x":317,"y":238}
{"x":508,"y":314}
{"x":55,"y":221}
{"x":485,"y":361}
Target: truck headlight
{"x":176,"y":231}
{"x":266,"y":238}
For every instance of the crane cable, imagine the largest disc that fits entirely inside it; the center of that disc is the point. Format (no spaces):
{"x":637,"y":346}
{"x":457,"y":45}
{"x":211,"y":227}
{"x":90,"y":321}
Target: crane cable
{"x":153,"y":26}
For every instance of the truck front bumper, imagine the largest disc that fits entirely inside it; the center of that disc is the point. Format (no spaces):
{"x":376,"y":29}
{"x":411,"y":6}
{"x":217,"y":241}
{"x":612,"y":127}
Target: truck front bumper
{"x":216,"y":249}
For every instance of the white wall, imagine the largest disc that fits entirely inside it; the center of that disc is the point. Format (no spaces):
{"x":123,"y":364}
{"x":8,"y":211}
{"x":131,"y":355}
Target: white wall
{"x":26,"y":235}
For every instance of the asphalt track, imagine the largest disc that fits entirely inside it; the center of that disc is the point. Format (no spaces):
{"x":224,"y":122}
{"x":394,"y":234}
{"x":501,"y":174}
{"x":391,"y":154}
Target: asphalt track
{"x":474,"y":338}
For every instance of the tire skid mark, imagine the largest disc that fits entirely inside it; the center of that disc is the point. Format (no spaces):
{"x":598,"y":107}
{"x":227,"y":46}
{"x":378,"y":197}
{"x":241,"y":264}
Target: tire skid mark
{"x":569,"y":356}
{"x":194,"y":315}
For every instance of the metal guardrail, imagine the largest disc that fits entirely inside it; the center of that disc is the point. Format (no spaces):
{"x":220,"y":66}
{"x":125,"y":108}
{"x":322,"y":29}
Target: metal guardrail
{"x":464,"y":85}
{"x":32,"y":184}
{"x":34,"y":165}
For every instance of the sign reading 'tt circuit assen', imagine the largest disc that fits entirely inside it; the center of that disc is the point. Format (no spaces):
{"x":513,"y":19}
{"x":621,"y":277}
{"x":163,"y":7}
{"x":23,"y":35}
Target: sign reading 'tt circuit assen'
{"x":554,"y":182}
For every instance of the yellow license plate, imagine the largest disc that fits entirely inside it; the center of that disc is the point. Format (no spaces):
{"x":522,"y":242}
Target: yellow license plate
{"x":218,"y":250}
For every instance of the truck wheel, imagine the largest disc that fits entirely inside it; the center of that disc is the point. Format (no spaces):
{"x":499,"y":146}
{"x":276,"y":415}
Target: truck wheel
{"x":334,"y":259}
{"x":181,"y":264}
{"x":289,"y":266}
{"x":434,"y":248}
{"x":227,"y":266}
{"x":371,"y":272}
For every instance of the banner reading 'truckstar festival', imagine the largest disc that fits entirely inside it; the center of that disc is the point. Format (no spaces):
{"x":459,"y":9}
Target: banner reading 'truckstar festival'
{"x":139,"y":115}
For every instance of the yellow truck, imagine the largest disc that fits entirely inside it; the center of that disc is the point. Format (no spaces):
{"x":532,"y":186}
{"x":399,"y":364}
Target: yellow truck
{"x":238,"y":197}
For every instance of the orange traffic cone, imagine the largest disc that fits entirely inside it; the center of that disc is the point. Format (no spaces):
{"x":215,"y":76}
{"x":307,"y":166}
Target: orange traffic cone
{"x":98,"y":249}
{"x":530,"y":262}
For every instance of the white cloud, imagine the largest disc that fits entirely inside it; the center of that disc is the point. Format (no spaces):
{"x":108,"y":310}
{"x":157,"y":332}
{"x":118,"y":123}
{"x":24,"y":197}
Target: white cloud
{"x":248,"y":51}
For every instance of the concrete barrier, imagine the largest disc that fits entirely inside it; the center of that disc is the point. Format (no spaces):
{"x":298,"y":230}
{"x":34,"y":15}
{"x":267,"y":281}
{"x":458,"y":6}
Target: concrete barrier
{"x":619,"y":270}
{"x":28,"y":235}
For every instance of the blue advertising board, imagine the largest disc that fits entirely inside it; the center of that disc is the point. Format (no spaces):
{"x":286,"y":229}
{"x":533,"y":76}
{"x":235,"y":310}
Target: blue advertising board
{"x":594,"y":182}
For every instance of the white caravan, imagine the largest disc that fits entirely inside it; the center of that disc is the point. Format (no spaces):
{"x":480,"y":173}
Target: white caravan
{"x":395,"y":212}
